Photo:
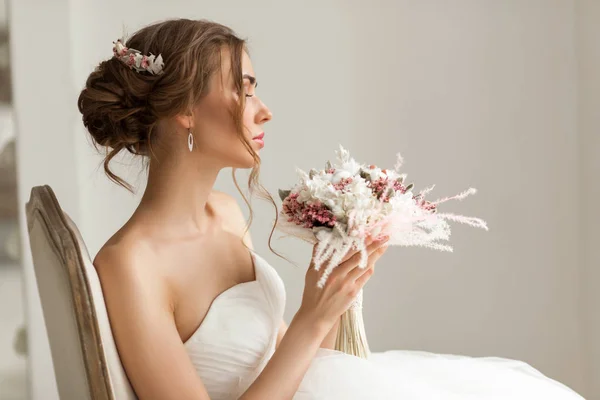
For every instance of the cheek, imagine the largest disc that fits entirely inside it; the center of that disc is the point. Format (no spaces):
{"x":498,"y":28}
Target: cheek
{"x":248,"y":116}
{"x":218,"y":134}
{"x":215,"y":119}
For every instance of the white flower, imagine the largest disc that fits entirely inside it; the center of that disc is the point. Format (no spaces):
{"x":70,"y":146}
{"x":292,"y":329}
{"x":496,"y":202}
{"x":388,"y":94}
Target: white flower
{"x":350,"y":166}
{"x":346,"y":163}
{"x":339,"y":212}
{"x":404,"y":201}
{"x":375,"y":174}
{"x":339,"y":175}
{"x":304,"y":195}
{"x":342,"y":154}
{"x":392,"y":175}
{"x":156,"y":65}
{"x":138,"y":60}
{"x":359,"y":213}
{"x":119,"y":48}
{"x":317,"y":189}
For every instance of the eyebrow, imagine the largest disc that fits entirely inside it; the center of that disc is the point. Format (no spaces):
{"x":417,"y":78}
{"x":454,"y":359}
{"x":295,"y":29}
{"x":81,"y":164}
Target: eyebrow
{"x":251,"y":79}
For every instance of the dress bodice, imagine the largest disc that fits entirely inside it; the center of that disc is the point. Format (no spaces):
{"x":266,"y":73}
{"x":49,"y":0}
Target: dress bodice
{"x":238,"y":335}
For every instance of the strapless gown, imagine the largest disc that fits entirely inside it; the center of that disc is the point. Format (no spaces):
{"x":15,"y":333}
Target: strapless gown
{"x":238,"y":335}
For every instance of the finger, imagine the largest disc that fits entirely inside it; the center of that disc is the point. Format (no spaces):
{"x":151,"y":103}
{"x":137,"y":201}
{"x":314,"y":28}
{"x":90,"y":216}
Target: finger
{"x":353,"y":262}
{"x":373,"y":246}
{"x":371,"y":249}
{"x":332,"y":274}
{"x":362,"y":280}
{"x":358,"y":272}
{"x":314,"y":254}
{"x":351,"y":251}
{"x":348,"y":255}
{"x":368,"y":240}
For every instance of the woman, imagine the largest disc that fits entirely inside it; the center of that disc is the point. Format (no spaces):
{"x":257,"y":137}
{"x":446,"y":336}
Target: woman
{"x":196,"y":314}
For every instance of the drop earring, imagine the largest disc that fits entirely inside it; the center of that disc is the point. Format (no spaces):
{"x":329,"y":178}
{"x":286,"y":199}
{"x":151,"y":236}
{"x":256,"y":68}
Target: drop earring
{"x":190,"y":140}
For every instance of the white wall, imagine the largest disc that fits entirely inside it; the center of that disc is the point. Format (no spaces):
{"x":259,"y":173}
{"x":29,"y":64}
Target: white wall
{"x":588,"y":24}
{"x":483,"y":94}
{"x":480,"y":93}
{"x":474,"y":93}
{"x":44,"y":100}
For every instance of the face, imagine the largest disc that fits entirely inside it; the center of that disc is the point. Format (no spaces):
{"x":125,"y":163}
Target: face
{"x":215,"y":134}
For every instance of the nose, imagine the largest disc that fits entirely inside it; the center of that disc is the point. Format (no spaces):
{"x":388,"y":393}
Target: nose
{"x":264,"y":114}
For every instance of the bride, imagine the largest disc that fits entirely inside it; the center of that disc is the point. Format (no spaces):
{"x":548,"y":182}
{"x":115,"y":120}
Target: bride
{"x":195,"y":312}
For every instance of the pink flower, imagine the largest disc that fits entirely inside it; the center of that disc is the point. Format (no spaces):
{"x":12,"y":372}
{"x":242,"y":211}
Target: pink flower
{"x":131,"y":60}
{"x":307,"y":215}
{"x":424,"y":204}
{"x":144,"y":63}
{"x":342,"y":184}
{"x":381,"y":186}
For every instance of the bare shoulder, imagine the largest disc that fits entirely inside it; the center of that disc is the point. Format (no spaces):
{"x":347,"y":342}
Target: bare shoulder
{"x":142,"y":321}
{"x":122,"y":250}
{"x":126,"y":265}
{"x":230,"y":212}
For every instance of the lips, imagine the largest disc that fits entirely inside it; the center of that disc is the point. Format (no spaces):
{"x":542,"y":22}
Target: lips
{"x":259,"y":139}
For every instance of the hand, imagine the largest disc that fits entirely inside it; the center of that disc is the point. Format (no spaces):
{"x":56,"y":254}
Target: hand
{"x":324,"y":306}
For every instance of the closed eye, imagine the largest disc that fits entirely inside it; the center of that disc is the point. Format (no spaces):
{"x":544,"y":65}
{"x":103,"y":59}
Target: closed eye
{"x":251,"y":79}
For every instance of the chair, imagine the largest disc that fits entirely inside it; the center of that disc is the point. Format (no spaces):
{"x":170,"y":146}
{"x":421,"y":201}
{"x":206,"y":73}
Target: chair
{"x":84,"y":354}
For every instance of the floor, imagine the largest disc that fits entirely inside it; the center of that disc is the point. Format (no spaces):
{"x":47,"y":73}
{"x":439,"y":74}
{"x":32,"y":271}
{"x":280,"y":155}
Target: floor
{"x":13,"y":383}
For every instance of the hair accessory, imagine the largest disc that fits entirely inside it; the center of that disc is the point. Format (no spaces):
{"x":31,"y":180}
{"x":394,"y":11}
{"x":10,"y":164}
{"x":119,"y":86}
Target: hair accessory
{"x":134,"y":59}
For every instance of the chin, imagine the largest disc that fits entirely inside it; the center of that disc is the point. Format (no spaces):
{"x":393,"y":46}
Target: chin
{"x":235,"y":155}
{"x":243,"y":161}
{"x":243,"y":165}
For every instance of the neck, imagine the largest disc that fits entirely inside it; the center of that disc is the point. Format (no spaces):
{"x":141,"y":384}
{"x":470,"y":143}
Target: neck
{"x":178,"y":191}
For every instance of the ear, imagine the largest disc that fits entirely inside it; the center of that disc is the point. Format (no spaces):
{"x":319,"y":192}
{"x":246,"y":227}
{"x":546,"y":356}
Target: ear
{"x":185,"y":121}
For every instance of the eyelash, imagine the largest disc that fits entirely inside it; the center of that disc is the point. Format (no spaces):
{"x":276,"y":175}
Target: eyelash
{"x":249,"y":95}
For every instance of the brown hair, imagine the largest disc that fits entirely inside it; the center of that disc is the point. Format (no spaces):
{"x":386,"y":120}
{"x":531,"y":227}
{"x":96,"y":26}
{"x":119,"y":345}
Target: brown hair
{"x":121,"y":107}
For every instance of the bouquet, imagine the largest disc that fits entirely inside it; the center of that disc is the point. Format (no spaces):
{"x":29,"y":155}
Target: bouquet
{"x":338,"y":208}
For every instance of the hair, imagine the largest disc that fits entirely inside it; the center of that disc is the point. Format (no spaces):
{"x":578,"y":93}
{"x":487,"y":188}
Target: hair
{"x":122,"y":107}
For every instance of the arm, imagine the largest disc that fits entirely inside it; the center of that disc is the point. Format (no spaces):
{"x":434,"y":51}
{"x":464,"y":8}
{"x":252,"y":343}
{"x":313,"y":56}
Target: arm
{"x":141,"y":312}
{"x":298,"y":344}
{"x":143,"y":325}
{"x":281,"y":333}
{"x":285,"y":370}
{"x":328,"y":342}
{"x":149,"y":345}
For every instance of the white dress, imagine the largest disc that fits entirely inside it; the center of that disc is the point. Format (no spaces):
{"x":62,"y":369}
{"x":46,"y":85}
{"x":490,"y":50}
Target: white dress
{"x":238,"y":335}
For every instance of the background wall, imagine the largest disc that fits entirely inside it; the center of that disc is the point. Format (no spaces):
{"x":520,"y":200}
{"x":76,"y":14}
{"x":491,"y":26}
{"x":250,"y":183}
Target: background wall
{"x":44,"y":100}
{"x":588,"y":39}
{"x":473,"y":93}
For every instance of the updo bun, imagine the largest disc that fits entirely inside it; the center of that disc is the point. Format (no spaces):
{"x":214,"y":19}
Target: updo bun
{"x":121,"y":106}
{"x":115,"y":109}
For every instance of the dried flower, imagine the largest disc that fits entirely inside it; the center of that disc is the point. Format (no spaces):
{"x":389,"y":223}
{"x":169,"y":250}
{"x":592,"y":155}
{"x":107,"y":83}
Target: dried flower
{"x":342,"y":205}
